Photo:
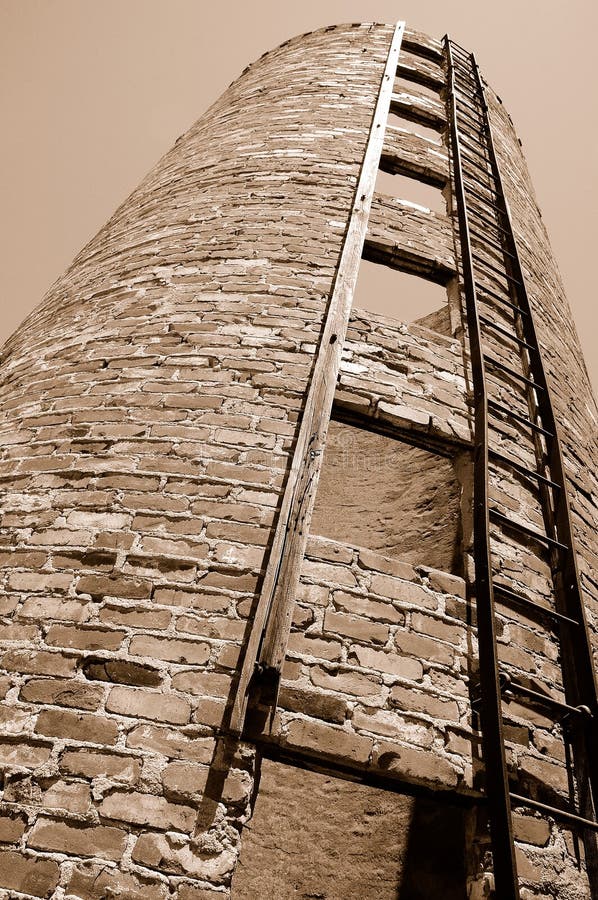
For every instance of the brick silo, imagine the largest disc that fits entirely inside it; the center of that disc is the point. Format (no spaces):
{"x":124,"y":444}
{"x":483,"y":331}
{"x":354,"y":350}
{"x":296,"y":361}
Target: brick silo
{"x":252,"y":531}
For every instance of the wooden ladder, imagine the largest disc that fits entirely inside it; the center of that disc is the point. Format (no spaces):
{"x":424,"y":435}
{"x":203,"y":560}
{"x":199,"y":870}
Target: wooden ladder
{"x":499,"y":315}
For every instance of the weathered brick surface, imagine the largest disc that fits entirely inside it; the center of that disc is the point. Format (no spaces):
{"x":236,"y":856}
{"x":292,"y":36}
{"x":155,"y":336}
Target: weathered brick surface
{"x":148,"y":410}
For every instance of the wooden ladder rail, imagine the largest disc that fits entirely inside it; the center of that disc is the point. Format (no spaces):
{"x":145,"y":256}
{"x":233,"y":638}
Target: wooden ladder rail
{"x":578,"y":674}
{"x":268,"y":639}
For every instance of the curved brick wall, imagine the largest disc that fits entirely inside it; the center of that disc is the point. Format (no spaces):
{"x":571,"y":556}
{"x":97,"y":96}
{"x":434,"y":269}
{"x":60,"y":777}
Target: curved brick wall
{"x":574,"y":401}
{"x":149,"y":407}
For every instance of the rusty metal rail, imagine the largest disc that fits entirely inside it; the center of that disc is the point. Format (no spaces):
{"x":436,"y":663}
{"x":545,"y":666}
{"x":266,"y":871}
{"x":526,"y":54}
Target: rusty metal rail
{"x":483,"y":215}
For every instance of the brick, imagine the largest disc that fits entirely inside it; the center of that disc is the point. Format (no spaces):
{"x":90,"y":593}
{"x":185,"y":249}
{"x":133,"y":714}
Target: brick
{"x":47,"y":608}
{"x":157,"y":851}
{"x":74,"y":797}
{"x":33,"y":581}
{"x":216,"y":628}
{"x":239,"y":556}
{"x":37,"y":877}
{"x":345,"y":682}
{"x":29,"y":662}
{"x":192,"y":526}
{"x":371,"y":609}
{"x":28,"y":755}
{"x":543,"y":772}
{"x":243,"y":534}
{"x":242,"y":583}
{"x":390,"y":663}
{"x":137,"y":617}
{"x":114,"y":540}
{"x":14,"y":719}
{"x":159,"y":707}
{"x":148,"y":811}
{"x":313,"y":594}
{"x":62,"y":692}
{"x":184,"y":549}
{"x":328,"y":741}
{"x":423,"y":647}
{"x":531,"y":830}
{"x":84,"y":638}
{"x":430,"y":704}
{"x":207,"y":602}
{"x":211,"y":684}
{"x":328,"y":573}
{"x":387,"y":723}
{"x":114,"y":586}
{"x":383,"y":564}
{"x":355,"y":627}
{"x":12,"y":828}
{"x":61,"y":537}
{"x":210,"y":712}
{"x":23,"y":558}
{"x":90,"y":881}
{"x":99,"y":840}
{"x":93,"y":764}
{"x":121,"y":671}
{"x":321,"y":549}
{"x":184,"y":779}
{"x":311,"y":645}
{"x":313,"y":703}
{"x":404,"y":416}
{"x":414,"y":765}
{"x":172,"y":743}
{"x":404,"y":591}
{"x":448,"y":584}
{"x":179,"y":651}
{"x":77,"y":726}
{"x":16,"y":632}
{"x":100,"y":560}
{"x":98,"y":521}
{"x":452,"y":633}
{"x":22,"y":788}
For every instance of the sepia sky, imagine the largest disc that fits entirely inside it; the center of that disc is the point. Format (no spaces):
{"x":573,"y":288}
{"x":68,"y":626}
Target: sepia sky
{"x":93,"y":92}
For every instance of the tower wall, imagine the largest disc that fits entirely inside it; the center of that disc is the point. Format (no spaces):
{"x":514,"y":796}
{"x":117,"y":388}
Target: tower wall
{"x":150,"y":407}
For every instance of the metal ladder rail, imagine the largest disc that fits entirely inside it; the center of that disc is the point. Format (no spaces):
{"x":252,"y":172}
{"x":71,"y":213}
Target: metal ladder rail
{"x":544,"y":409}
{"x":493,"y":744}
{"x":576,"y":648}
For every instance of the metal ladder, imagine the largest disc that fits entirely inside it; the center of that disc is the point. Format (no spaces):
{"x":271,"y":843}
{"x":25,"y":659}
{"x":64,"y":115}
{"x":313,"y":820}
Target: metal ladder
{"x":500,"y":311}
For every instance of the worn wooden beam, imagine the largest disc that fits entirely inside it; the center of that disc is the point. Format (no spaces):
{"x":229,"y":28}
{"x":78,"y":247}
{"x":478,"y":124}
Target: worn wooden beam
{"x":268,"y":639}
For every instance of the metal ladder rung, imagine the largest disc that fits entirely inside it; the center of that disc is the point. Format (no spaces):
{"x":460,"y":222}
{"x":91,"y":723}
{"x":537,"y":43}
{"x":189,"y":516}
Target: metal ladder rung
{"x":525,"y":529}
{"x":531,"y":604}
{"x":460,"y":49}
{"x":485,"y":200}
{"x":474,"y":212}
{"x":507,"y":684}
{"x":482,"y":238}
{"x":464,"y":114}
{"x":467,"y":149}
{"x":508,"y":334}
{"x":472,"y":162}
{"x":499,"y":299}
{"x":514,"y":464}
{"x":463,"y":72}
{"x":489,"y":265}
{"x":498,"y":365}
{"x":472,"y":177}
{"x":514,"y":415}
{"x":463,"y":98}
{"x":519,"y":800}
